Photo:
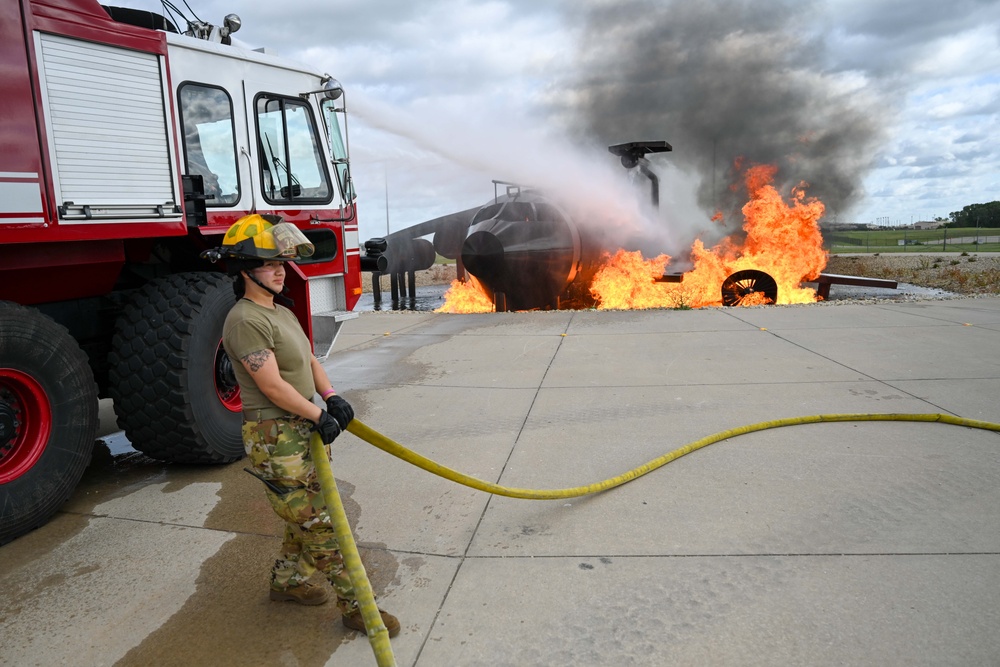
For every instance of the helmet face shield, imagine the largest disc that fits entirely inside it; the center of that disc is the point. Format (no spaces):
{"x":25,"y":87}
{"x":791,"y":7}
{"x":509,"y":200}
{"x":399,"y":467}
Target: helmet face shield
{"x":283,"y":241}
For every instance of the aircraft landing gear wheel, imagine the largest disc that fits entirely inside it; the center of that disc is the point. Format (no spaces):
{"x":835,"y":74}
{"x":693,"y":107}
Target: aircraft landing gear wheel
{"x":749,"y":288}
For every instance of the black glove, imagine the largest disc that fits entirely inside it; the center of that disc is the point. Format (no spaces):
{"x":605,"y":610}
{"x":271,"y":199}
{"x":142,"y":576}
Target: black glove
{"x":341,"y":410}
{"x":327,"y":427}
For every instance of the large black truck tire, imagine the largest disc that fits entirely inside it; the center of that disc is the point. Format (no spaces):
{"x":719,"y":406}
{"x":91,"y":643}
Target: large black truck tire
{"x":173,"y":388}
{"x":48,"y":418}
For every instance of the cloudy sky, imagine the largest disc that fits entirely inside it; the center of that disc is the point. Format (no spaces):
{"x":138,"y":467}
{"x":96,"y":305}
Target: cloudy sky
{"x":888,"y":109}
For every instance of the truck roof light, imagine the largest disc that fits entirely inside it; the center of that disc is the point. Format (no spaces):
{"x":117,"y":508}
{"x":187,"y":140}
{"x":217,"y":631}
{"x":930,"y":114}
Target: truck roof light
{"x":332,"y":89}
{"x":231,"y":24}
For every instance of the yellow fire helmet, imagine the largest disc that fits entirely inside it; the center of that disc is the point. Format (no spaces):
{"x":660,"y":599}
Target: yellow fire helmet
{"x":256,"y":236}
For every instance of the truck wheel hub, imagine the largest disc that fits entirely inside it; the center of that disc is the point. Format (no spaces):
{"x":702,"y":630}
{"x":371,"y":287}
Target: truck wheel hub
{"x":25,"y":423}
{"x":9,"y":424}
{"x":226,"y":384}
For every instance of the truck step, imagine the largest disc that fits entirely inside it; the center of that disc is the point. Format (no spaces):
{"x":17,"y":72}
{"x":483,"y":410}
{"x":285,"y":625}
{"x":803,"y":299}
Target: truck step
{"x":326,"y":327}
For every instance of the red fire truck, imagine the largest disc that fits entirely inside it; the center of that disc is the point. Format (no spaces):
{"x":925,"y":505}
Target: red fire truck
{"x":127,"y":146}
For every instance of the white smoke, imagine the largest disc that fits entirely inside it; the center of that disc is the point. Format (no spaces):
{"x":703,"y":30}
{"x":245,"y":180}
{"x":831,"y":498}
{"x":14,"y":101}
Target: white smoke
{"x":584,"y":178}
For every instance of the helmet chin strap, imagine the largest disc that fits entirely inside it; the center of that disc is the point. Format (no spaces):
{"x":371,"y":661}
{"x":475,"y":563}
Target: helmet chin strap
{"x":280,"y":297}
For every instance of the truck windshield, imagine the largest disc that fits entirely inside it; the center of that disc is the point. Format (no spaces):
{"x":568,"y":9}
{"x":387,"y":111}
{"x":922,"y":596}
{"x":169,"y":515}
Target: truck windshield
{"x":338,"y":150}
{"x":292,"y":165}
{"x":209,"y":141}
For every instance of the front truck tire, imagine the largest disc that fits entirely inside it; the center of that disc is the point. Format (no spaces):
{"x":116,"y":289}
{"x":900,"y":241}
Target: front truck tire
{"x":174,"y":391}
{"x":48,"y":418}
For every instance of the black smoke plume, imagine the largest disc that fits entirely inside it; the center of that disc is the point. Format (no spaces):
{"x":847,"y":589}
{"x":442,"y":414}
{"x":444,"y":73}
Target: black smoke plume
{"x":724,"y":80}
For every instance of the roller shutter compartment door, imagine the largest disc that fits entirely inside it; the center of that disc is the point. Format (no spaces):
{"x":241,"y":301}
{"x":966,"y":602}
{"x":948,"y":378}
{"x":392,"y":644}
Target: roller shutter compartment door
{"x":108,"y":134}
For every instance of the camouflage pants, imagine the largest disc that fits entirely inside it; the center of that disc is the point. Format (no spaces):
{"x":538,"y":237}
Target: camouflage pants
{"x":279,"y":451}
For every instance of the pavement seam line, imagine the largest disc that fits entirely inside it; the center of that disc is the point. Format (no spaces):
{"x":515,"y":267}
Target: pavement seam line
{"x":832,"y":554}
{"x":854,"y":370}
{"x":159,"y":523}
{"x":486,"y":506}
{"x":886,"y":307}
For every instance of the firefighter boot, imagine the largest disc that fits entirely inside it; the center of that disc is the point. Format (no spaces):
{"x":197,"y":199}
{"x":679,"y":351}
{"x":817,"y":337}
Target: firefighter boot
{"x":307,"y":594}
{"x":354,"y":621}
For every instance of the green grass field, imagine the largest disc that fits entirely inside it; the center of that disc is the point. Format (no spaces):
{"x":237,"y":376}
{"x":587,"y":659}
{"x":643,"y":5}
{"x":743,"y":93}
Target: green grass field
{"x":967,"y":239}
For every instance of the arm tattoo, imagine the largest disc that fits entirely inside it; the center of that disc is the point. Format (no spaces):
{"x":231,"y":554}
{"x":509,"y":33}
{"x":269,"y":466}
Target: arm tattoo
{"x":256,"y":360}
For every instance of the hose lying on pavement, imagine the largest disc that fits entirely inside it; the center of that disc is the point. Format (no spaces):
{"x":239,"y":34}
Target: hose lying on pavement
{"x":378,"y":636}
{"x":375,"y":438}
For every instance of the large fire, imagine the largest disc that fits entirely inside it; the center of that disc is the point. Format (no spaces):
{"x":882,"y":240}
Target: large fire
{"x":782,"y":240}
{"x":465,"y":297}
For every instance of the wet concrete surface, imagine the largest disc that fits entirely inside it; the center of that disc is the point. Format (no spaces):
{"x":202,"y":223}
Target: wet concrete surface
{"x":826,"y":544}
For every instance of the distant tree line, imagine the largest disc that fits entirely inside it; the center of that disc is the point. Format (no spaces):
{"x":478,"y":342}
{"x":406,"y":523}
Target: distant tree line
{"x":976,"y":215}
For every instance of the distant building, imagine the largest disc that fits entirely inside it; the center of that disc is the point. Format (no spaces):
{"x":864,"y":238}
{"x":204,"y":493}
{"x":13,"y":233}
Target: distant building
{"x":927,"y":224}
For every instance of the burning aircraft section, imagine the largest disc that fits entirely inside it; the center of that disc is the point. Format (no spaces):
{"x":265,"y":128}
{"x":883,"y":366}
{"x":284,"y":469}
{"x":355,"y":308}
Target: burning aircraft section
{"x":523,"y":251}
{"x":781,"y":247}
{"x":526,"y":253}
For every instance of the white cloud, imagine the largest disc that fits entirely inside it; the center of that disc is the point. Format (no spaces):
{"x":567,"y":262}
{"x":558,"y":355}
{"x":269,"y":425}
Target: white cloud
{"x":962,"y":55}
{"x":473,"y":85}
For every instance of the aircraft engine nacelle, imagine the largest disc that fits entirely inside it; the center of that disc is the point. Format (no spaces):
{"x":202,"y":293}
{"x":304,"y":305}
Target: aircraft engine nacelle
{"x":405,"y":254}
{"x":528,"y":254}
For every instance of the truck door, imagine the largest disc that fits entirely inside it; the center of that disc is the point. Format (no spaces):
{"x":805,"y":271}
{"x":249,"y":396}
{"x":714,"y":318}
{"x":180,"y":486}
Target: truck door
{"x":292,"y":167}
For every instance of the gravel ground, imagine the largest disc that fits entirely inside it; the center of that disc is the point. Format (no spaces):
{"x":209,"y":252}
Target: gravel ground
{"x":962,"y":274}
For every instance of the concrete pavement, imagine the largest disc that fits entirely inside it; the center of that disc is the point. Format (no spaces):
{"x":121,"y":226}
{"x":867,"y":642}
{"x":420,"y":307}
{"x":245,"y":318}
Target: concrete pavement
{"x":827,"y":544}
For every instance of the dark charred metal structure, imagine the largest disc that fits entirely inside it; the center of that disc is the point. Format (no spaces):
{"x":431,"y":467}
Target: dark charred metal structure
{"x":522,"y":248}
{"x":528,"y":253}
{"x":739,"y":287}
{"x":401,"y":254}
{"x":633,"y":154}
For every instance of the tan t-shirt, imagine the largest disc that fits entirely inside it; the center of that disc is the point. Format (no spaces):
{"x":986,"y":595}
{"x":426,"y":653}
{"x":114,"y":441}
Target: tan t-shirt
{"x":251,"y":328}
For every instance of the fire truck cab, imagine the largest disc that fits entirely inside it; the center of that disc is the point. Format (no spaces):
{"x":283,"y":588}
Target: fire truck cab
{"x":129,"y":145}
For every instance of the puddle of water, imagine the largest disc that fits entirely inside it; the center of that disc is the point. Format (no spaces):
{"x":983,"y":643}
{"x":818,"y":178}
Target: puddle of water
{"x":427,"y":298}
{"x":116,"y":443}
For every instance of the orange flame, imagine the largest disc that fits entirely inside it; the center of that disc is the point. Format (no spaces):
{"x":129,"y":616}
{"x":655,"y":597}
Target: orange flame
{"x":782,"y":240}
{"x":465,"y":297}
{"x":626,"y":282}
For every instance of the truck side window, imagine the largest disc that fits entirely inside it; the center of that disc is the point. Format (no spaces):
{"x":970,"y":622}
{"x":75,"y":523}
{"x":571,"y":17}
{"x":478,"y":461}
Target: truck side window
{"x":210,"y":141}
{"x":338,"y":149}
{"x":291,"y":161}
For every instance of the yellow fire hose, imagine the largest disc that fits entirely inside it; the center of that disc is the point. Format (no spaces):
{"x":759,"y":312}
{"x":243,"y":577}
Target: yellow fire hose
{"x":378,"y":636}
{"x":375,"y":438}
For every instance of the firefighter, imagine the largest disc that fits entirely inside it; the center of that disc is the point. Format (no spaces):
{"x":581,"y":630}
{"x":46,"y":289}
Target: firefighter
{"x":278,"y":377}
